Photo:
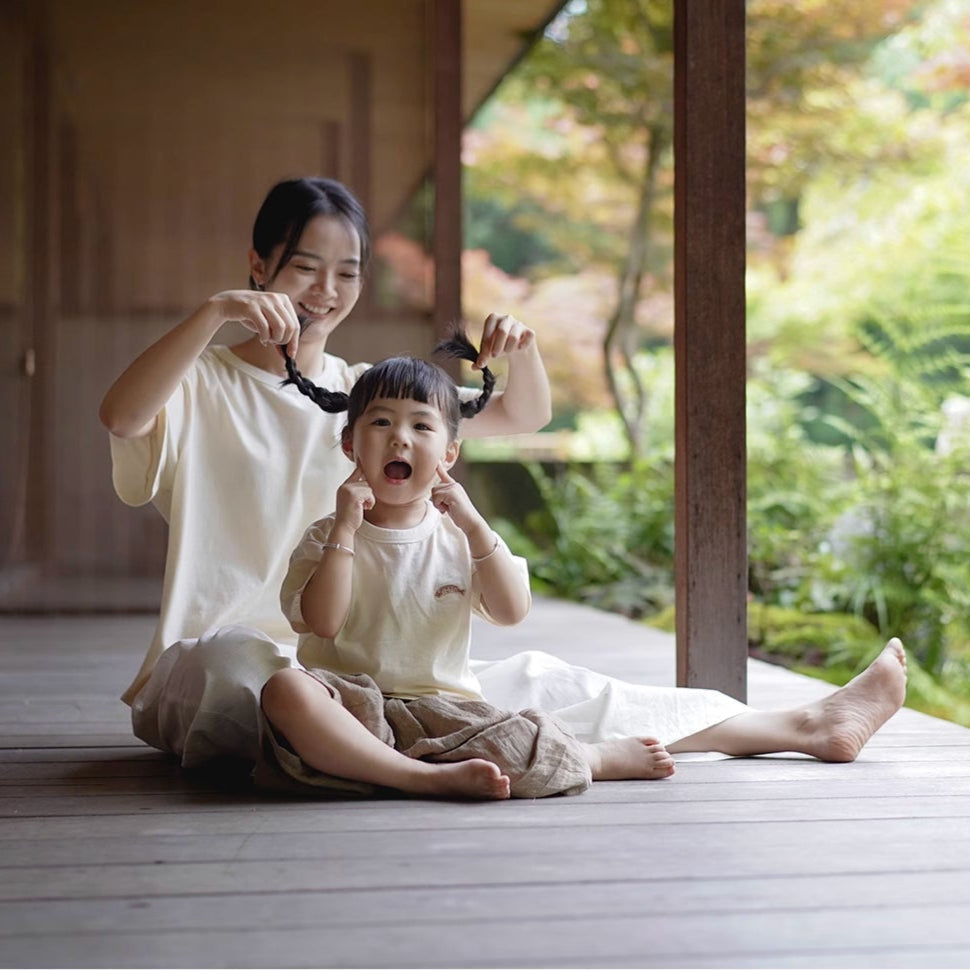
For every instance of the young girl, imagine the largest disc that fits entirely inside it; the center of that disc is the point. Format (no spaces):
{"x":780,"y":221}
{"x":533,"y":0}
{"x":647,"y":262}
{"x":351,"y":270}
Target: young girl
{"x":382,"y":592}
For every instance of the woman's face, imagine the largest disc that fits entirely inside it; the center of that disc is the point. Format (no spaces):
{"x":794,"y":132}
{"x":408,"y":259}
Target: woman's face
{"x":322,"y":277}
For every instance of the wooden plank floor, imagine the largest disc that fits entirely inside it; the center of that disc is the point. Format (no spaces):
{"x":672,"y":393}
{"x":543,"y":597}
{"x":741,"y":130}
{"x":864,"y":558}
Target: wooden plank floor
{"x":112,"y":857}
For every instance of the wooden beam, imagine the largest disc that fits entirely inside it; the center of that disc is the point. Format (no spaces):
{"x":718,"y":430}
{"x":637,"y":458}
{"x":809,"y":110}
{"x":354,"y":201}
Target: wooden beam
{"x":447,"y":242}
{"x":709,"y":344}
{"x":42,"y":278}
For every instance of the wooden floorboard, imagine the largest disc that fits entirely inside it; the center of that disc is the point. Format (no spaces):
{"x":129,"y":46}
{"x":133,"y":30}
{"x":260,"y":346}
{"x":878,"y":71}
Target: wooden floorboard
{"x":111,"y":856}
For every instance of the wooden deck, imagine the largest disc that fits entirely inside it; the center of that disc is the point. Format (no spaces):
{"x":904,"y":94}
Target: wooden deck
{"x":112,"y":857}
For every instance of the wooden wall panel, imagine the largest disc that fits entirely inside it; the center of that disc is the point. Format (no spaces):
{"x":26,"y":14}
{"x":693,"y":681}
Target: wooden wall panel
{"x":167,"y":142}
{"x":151,"y":133}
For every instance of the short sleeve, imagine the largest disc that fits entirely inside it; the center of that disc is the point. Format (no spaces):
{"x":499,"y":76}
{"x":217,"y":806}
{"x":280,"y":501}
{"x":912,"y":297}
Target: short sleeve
{"x":303,"y":562}
{"x":144,"y":466}
{"x":136,"y":463}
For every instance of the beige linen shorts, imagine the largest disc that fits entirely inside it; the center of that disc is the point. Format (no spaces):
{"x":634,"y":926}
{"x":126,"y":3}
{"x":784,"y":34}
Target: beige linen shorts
{"x":539,"y":755}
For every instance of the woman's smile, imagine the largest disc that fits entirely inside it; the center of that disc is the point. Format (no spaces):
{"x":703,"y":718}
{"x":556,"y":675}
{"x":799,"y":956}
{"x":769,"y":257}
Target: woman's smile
{"x":315,"y":311}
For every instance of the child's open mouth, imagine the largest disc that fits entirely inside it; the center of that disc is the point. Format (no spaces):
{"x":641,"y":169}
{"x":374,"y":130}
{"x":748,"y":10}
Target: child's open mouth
{"x":397,"y":471}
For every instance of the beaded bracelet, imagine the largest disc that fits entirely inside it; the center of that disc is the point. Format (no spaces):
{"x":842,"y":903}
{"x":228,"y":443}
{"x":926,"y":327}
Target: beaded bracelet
{"x":490,"y":553}
{"x":337,"y":545}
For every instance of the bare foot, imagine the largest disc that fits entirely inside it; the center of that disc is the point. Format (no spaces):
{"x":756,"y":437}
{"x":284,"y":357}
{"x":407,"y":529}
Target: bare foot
{"x":475,"y":778}
{"x":628,"y":758}
{"x":839,"y":725}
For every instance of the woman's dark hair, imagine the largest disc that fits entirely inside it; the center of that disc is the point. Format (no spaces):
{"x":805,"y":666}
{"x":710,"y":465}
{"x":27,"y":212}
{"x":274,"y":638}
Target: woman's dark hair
{"x":404,"y":377}
{"x":291,"y":204}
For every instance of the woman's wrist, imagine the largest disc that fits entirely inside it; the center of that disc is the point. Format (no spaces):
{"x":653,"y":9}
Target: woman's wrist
{"x":213,"y":314}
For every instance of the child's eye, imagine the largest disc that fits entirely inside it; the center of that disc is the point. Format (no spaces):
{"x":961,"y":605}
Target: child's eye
{"x":421,"y":426}
{"x":381,"y":422}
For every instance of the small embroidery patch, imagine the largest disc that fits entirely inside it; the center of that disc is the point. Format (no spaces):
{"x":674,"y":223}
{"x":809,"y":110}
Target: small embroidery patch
{"x":449,"y":588}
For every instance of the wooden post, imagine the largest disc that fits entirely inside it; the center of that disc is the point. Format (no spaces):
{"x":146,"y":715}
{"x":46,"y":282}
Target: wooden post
{"x":42,"y":253}
{"x":709,"y":344}
{"x":446,"y":245}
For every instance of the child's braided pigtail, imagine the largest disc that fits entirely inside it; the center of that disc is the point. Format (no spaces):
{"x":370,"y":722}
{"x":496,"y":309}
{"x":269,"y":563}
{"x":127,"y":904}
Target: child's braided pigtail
{"x":331,"y":401}
{"x":459,"y":346}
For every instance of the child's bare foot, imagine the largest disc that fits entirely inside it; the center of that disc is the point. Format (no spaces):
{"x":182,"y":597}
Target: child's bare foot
{"x":839,"y":725}
{"x":628,"y":758}
{"x":475,"y":778}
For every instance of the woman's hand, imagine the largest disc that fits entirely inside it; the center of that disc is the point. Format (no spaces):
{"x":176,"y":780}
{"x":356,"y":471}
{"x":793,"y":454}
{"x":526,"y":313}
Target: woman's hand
{"x":525,"y":404}
{"x":271,"y":316}
{"x":502,"y":336}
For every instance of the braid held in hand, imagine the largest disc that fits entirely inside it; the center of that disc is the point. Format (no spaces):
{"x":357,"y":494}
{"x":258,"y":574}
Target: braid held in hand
{"x":458,"y":345}
{"x":331,"y":401}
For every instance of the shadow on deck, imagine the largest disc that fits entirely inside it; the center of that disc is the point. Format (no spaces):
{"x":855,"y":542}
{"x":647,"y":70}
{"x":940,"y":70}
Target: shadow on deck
{"x":112,"y":857}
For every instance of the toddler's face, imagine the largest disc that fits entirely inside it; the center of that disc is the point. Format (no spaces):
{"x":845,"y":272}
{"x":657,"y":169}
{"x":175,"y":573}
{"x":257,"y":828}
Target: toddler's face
{"x":399,"y":443}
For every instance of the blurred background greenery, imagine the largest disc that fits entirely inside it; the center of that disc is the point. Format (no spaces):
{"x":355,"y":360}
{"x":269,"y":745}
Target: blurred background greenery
{"x":858,"y":290}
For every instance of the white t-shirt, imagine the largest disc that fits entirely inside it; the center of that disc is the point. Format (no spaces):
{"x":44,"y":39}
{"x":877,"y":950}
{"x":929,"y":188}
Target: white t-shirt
{"x":409,"y":621}
{"x":237,"y":465}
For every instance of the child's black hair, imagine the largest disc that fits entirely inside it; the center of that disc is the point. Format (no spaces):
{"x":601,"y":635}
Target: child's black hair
{"x":404,"y":377}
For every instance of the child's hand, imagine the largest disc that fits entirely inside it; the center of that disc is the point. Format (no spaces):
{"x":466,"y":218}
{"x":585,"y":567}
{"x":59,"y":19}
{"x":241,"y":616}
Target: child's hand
{"x":451,"y":499}
{"x":354,"y":497}
{"x":502,"y":335}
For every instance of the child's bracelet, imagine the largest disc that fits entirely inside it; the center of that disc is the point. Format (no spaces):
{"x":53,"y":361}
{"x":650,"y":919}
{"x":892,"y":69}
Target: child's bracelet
{"x":347,"y":549}
{"x":490,"y":553}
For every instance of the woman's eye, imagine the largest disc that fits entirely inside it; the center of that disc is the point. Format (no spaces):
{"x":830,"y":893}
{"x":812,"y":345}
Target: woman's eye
{"x":304,"y":269}
{"x":350,"y":276}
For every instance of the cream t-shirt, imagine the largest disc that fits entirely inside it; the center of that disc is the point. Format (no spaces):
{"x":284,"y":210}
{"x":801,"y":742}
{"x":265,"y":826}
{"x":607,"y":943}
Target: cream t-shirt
{"x":237,"y":465}
{"x":409,"y":621}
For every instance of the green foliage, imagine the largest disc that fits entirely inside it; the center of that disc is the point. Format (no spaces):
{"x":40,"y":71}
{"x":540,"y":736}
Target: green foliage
{"x":606,"y":537}
{"x":900,"y":548}
{"x":878,"y":524}
{"x":795,"y":490}
{"x":809,"y":105}
{"x":517,"y":239}
{"x":922,"y":329}
{"x":795,"y":637}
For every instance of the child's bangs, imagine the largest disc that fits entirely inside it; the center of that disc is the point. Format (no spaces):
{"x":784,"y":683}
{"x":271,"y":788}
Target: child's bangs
{"x":404,"y":377}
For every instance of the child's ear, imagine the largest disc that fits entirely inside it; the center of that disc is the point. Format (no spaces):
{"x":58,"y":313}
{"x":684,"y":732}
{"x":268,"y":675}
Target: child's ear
{"x":451,"y":454}
{"x":347,"y":443}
